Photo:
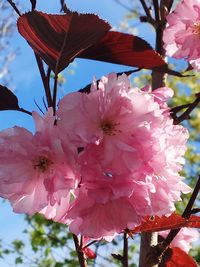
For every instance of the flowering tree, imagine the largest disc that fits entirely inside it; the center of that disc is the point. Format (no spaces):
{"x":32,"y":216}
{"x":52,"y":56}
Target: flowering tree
{"x":106,"y":160}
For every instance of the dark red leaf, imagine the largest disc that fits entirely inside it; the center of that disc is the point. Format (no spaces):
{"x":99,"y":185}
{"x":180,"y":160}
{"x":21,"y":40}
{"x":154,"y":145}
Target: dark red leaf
{"x":89,"y":253}
{"x":58,"y":39}
{"x":125,"y":49}
{"x":8,"y":101}
{"x":156,"y":224}
{"x":178,"y":258}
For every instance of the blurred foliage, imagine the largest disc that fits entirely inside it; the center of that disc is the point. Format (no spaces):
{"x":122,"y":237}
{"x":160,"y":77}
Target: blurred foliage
{"x":7,"y":54}
{"x":50,"y":244}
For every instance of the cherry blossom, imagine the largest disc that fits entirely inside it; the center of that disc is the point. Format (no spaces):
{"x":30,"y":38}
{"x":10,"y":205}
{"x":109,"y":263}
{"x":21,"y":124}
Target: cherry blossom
{"x":130,"y":159}
{"x":182,"y":34}
{"x":36,"y":170}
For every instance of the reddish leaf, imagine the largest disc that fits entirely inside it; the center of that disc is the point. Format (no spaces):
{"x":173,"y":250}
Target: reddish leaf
{"x":89,"y":253}
{"x":157,"y":224}
{"x":125,"y":49}
{"x":58,"y":39}
{"x":8,"y":101}
{"x":178,"y":258}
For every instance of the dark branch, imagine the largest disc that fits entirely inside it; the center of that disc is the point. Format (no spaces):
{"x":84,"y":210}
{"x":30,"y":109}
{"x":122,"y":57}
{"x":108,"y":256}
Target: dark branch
{"x":146,"y":9}
{"x":24,"y":111}
{"x":89,"y":244}
{"x":169,"y":6}
{"x":156,"y":10}
{"x":186,"y":114}
{"x":55,"y":92}
{"x":33,"y":4}
{"x":44,"y":80}
{"x":125,"y":251}
{"x":79,"y":252}
{"x":38,"y":107}
{"x":186,"y":214}
{"x":14,"y":7}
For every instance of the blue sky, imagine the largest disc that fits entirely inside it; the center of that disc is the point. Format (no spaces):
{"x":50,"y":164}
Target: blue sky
{"x":27,"y":85}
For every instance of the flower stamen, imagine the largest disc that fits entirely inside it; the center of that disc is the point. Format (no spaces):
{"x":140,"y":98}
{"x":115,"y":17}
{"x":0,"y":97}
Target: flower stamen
{"x":109,"y":128}
{"x":42,"y":163}
{"x":196,"y":28}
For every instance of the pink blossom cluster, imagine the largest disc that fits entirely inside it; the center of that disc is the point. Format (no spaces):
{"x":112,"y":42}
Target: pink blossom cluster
{"x":182,"y":34}
{"x":184,"y":238}
{"x":107,"y":159}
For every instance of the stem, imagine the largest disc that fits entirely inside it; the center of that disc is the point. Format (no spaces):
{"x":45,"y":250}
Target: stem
{"x":156,"y":10}
{"x":146,"y":9}
{"x":125,"y":251}
{"x":33,"y":4}
{"x":25,"y":111}
{"x":14,"y":7}
{"x":186,"y":214}
{"x":169,"y":6}
{"x":186,"y":114}
{"x":44,"y":81}
{"x":89,"y":244}
{"x":55,"y":92}
{"x":80,"y":254}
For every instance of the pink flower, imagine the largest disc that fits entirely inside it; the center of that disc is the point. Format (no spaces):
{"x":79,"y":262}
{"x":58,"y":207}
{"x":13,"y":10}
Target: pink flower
{"x":182,"y":34}
{"x":111,"y":116}
{"x":131,"y":158}
{"x":36,"y":170}
{"x":101,"y":220}
{"x":183,"y":239}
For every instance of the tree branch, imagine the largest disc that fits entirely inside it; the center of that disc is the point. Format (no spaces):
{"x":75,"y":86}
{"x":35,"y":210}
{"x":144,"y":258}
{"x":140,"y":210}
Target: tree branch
{"x":55,"y":92}
{"x":156,"y":10}
{"x":186,"y":214}
{"x":169,"y":6}
{"x":186,"y":114}
{"x":125,"y":251}
{"x":79,"y":252}
{"x":14,"y":7}
{"x":44,"y":80}
{"x":146,"y":9}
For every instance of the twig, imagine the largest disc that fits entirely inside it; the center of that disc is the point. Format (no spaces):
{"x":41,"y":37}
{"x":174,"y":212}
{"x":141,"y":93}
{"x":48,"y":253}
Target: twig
{"x":38,"y":107}
{"x":55,"y":92}
{"x":89,"y":244}
{"x":125,"y":251}
{"x":79,"y":252}
{"x":123,"y":258}
{"x":186,"y":214}
{"x":63,"y":6}
{"x":14,"y":7}
{"x":156,"y":10}
{"x":195,"y":210}
{"x":186,"y":114}
{"x":20,"y":110}
{"x":44,"y":80}
{"x":179,"y":108}
{"x":24,"y":111}
{"x":157,"y":252}
{"x":169,"y":6}
{"x":146,"y":9}
{"x":33,"y":4}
